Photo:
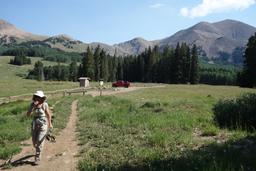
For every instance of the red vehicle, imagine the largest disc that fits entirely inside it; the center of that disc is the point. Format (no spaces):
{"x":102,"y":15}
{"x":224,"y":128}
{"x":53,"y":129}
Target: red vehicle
{"x":121,"y":83}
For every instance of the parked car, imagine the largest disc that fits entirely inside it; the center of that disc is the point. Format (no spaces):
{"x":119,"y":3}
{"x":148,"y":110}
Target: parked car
{"x":121,"y":83}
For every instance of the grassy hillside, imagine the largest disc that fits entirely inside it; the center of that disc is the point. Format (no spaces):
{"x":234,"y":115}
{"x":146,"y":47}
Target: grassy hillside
{"x":12,"y":80}
{"x":169,"y":128}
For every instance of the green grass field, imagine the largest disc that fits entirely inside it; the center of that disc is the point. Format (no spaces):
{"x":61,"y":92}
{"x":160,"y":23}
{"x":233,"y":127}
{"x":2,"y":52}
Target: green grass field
{"x":167,"y":128}
{"x":12,"y":80}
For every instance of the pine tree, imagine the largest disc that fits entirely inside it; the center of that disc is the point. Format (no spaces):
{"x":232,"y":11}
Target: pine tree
{"x":187,"y":65}
{"x":80,"y":71}
{"x":120,"y":69}
{"x":155,"y":59}
{"x":141,"y":64}
{"x":83,"y":64}
{"x":88,"y":64}
{"x":149,"y":61}
{"x":164,"y":65}
{"x":39,"y":71}
{"x":113,"y":68}
{"x":248,"y":76}
{"x":51,"y":73}
{"x":104,"y":73}
{"x":64,"y":73}
{"x":48,"y":73}
{"x":183,"y":55}
{"x":97,"y":63}
{"x":73,"y":71}
{"x":194,"y":72}
{"x":176,"y":70}
{"x":169,"y":58}
{"x":58,"y":72}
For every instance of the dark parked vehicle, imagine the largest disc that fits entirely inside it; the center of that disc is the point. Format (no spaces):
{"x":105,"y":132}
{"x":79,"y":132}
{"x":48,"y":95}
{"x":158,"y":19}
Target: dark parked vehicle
{"x":121,"y":83}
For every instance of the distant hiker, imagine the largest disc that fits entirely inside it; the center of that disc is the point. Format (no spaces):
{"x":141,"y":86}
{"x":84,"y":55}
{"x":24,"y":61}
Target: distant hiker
{"x":41,"y":122}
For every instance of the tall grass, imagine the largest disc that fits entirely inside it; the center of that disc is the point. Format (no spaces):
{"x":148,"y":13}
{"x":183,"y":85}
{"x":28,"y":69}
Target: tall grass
{"x":14,"y":127}
{"x":154,"y":129}
{"x":118,"y":131}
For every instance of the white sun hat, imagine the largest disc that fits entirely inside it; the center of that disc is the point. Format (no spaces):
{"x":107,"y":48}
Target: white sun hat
{"x":39,"y":94}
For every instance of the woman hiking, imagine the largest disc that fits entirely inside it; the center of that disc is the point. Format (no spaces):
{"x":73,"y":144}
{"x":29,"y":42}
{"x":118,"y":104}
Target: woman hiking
{"x":41,"y":122}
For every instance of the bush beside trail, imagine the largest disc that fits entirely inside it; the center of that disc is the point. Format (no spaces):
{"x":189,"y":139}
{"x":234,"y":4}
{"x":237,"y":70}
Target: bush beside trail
{"x":239,"y":113}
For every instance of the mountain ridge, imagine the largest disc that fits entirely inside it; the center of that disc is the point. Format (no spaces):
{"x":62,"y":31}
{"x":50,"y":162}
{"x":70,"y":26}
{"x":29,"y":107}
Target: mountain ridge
{"x":212,"y":38}
{"x":10,"y":34}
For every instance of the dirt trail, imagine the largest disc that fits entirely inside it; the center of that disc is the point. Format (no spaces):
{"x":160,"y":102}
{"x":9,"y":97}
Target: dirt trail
{"x":112,"y":92}
{"x":56,"y":156}
{"x":59,"y":156}
{"x":119,"y":90}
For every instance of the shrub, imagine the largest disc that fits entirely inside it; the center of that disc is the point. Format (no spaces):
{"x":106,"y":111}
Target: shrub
{"x":20,"y":60}
{"x":237,"y":113}
{"x":151,"y":105}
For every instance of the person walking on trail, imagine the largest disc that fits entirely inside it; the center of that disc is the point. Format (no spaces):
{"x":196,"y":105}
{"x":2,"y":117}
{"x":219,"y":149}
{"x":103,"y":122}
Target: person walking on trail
{"x":41,"y":122}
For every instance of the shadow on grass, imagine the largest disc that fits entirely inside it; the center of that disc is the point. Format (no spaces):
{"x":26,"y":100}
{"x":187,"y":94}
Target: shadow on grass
{"x":19,"y":162}
{"x":229,"y":156}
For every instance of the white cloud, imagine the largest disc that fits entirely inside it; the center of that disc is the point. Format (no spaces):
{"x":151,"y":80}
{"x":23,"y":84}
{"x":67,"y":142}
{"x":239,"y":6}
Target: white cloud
{"x":158,"y":5}
{"x":184,"y":12}
{"x":215,"y":6}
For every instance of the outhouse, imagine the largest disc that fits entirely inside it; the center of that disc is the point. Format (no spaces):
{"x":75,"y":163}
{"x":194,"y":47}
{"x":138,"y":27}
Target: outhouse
{"x":84,"y":81}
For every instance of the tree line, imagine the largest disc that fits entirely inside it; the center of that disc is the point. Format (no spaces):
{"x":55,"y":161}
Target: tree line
{"x":167,"y":65}
{"x":171,"y":65}
{"x":40,"y":49}
{"x":218,"y":74}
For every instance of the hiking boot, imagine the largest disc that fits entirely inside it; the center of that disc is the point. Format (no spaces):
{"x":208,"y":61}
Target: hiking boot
{"x":37,"y":159}
{"x":36,"y":163}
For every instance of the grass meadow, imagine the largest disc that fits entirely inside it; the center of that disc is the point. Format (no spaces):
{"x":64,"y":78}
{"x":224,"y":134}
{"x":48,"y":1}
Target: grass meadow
{"x":164,"y":128}
{"x":12,"y":80}
{"x":168,"y":128}
{"x":14,"y":125}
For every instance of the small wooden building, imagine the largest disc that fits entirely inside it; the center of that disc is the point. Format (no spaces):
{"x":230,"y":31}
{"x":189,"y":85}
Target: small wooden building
{"x":84,"y":81}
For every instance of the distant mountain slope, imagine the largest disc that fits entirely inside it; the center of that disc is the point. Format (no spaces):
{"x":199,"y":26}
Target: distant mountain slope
{"x":134,"y":46}
{"x":10,"y":34}
{"x":213,"y":38}
{"x":65,"y":43}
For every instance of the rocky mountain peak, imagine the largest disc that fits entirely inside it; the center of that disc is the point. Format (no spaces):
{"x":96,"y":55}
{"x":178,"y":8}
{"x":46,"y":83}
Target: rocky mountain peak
{"x":5,"y":25}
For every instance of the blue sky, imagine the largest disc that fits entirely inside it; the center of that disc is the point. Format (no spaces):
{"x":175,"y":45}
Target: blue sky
{"x":115,"y":21}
